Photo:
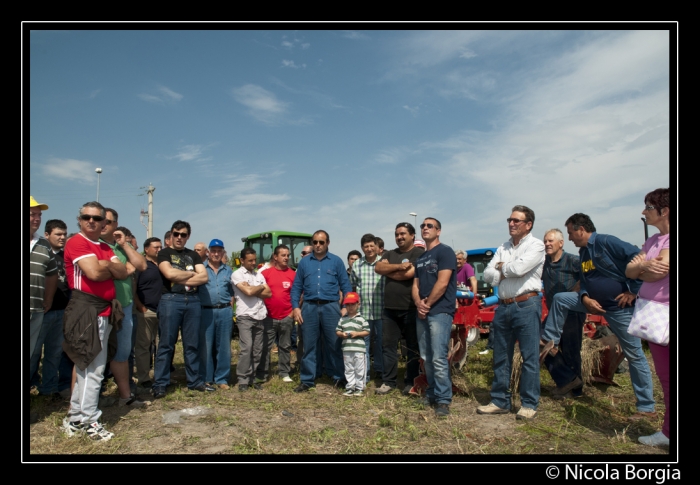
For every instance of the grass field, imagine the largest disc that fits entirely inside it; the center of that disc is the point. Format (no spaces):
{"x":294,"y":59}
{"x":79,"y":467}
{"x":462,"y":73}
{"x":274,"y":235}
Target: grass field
{"x":277,"y":421}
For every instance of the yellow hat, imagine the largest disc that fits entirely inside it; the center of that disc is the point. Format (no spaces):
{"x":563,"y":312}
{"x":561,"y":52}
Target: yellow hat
{"x":34,"y":203}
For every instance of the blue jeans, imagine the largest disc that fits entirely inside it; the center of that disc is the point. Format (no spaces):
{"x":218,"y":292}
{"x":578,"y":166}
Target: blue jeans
{"x":562,"y":303}
{"x":320,"y":320}
{"x":215,"y":344}
{"x":433,"y":341}
{"x":518,"y":321}
{"x":640,"y":375}
{"x":35,"y":320}
{"x":375,"y":334}
{"x":177,"y":311}
{"x":124,"y":335}
{"x":51,"y":338}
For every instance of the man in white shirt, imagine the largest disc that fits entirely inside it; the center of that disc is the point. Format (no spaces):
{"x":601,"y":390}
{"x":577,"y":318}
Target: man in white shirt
{"x":250,"y":289}
{"x":516,"y":269}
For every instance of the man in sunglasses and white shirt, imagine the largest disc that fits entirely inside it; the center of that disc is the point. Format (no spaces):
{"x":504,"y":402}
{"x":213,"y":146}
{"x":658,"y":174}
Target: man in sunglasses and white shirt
{"x":516,"y":269}
{"x":319,"y":277}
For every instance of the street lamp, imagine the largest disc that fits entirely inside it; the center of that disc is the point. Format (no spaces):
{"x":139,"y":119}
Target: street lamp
{"x":98,"y":171}
{"x":414,"y":218}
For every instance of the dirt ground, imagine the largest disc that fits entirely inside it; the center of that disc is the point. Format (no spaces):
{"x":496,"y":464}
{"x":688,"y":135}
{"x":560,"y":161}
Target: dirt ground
{"x":323,"y":422}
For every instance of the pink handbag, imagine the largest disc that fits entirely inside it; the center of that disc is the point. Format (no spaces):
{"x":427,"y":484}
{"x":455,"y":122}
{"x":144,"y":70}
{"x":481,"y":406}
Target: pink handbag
{"x":650,"y":321}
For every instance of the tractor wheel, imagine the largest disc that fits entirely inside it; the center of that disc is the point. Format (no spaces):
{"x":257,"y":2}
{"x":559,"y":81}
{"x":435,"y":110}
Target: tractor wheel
{"x":473,"y":335}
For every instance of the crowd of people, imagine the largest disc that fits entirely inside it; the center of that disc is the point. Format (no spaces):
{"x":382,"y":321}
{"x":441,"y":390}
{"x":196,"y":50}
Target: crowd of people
{"x":99,"y":305}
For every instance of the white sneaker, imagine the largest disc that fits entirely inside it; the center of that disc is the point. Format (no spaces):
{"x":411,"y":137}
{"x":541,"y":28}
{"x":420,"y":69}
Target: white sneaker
{"x":287,"y":379}
{"x":72,"y":428}
{"x":349,"y":392}
{"x":491,"y":408}
{"x":526,"y":413}
{"x":96,"y":432}
{"x":656,"y":439}
{"x":383,"y":389}
{"x":484,"y":352}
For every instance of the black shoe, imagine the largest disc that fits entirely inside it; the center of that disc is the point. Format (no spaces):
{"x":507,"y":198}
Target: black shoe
{"x":303,"y":388}
{"x":406,"y":391}
{"x":378,"y":376}
{"x":203,"y":388}
{"x":33,"y":417}
{"x":442,"y":410}
{"x":427,"y":402}
{"x":243,"y":387}
{"x":257,"y":386}
{"x":340,"y":383}
{"x":146,"y":384}
{"x":158,"y":392}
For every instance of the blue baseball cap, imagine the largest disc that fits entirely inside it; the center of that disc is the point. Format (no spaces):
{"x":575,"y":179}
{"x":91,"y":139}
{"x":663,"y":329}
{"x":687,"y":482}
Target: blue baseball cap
{"x":216,"y":243}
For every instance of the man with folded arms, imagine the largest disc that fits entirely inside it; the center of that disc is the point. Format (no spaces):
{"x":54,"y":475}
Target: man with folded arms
{"x":516,"y":269}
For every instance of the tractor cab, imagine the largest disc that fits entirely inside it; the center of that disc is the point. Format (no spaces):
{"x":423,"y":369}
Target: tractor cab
{"x":479,"y":259}
{"x":264,"y":244}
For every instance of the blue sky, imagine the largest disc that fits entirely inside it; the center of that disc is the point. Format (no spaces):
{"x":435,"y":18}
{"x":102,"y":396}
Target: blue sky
{"x":243,"y":131}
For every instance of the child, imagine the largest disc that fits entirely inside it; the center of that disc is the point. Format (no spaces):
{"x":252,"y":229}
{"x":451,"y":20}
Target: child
{"x":352,"y":328}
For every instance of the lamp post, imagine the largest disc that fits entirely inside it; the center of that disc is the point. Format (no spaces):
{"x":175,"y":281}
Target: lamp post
{"x":414,"y":219}
{"x":98,"y":171}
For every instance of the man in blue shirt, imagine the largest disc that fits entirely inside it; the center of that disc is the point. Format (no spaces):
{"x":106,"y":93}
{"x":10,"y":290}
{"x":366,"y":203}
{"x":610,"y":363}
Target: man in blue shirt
{"x":605,"y":290}
{"x":320,"y":277}
{"x":216,"y":298}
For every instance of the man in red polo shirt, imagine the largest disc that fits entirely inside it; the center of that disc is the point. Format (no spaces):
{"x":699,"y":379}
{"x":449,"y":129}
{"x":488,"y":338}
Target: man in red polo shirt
{"x":91,"y":268}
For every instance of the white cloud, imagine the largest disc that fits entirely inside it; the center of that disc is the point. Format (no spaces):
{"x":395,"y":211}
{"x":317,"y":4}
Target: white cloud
{"x":355,"y":35}
{"x":249,"y":189}
{"x":190,"y":153}
{"x":286,"y":63}
{"x":263,"y":105}
{"x":286,"y":44}
{"x":80,"y":171}
{"x":170,"y":93}
{"x":93,"y":94}
{"x":150,"y":98}
{"x":305,"y":45}
{"x":167,"y":96}
{"x":413,"y":110}
{"x":390,"y":155}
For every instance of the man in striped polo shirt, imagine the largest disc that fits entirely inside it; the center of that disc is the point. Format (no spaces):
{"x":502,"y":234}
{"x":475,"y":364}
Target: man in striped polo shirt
{"x":43,"y":273}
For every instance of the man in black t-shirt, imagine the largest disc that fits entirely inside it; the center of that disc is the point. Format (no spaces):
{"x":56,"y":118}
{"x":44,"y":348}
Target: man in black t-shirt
{"x":182,"y":272}
{"x":399,"y":316}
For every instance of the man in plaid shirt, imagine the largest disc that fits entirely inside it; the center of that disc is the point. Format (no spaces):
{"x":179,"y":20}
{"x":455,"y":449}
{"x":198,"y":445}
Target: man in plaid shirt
{"x":370,"y":287}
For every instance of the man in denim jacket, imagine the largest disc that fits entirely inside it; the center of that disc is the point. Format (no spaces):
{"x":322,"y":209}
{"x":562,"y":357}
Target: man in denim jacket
{"x":606,"y":291}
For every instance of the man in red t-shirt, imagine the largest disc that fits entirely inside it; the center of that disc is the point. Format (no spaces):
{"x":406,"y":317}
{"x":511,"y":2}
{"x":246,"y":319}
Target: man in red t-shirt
{"x":279,"y":320}
{"x":91,"y":268}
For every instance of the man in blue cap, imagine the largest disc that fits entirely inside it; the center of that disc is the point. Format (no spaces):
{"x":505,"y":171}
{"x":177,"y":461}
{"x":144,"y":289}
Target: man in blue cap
{"x":216,"y":298}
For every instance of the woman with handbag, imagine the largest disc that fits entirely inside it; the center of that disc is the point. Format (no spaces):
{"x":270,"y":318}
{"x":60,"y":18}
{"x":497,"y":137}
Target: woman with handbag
{"x":651,"y":266}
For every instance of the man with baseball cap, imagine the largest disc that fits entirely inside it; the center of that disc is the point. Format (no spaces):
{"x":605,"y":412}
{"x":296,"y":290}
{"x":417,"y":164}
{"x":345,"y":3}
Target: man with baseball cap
{"x":216,"y":298}
{"x":43,"y":273}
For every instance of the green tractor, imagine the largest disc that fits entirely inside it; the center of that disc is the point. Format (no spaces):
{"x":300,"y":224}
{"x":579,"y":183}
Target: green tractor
{"x":264,"y":244}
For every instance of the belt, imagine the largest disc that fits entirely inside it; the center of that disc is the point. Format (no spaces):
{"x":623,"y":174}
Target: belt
{"x":320,"y":302}
{"x":220,"y":305}
{"x":519,"y":298}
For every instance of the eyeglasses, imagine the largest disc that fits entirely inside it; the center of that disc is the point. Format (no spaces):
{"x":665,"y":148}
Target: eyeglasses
{"x":304,"y":253}
{"x":183,"y":235}
{"x":319,"y":243}
{"x":86,"y":217}
{"x":649,"y":207}
{"x":515,"y":221}
{"x":429,"y":225}
{"x":109,"y":221}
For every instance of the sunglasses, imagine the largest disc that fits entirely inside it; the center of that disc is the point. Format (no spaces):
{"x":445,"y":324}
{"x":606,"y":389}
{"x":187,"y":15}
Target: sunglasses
{"x":429,"y":225}
{"x":304,"y":253}
{"x":183,"y":235}
{"x":515,"y":221}
{"x":85,"y":217}
{"x":649,"y":207}
{"x":109,"y":221}
{"x":319,"y":243}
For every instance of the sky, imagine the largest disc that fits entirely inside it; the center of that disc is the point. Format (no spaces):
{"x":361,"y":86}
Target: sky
{"x":245,"y":131}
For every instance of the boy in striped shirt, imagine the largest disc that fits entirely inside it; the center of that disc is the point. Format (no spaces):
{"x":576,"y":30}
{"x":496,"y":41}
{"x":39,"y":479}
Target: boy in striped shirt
{"x":352,"y":328}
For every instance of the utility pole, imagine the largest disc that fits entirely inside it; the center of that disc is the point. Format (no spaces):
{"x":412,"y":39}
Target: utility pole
{"x":149,"y":190}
